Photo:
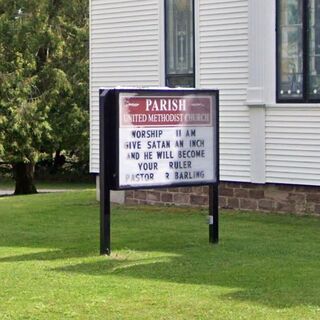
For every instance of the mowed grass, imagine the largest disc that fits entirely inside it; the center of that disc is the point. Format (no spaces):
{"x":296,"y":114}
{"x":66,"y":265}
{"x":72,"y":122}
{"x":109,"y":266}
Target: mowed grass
{"x":6,"y":183}
{"x":161,"y":266}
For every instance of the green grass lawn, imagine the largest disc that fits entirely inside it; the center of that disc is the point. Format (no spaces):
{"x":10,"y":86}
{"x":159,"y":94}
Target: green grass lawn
{"x":6,"y":183}
{"x":161,"y":266}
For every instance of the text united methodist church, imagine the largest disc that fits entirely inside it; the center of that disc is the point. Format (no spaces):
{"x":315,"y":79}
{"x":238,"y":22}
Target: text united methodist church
{"x":262,"y":56}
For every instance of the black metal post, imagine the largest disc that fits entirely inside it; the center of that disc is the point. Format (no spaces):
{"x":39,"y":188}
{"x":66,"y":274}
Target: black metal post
{"x":214,"y":213}
{"x":105,"y":207}
{"x":105,"y":210}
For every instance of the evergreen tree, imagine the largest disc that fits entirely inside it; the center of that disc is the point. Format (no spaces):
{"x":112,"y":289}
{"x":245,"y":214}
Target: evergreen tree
{"x":43,"y":82}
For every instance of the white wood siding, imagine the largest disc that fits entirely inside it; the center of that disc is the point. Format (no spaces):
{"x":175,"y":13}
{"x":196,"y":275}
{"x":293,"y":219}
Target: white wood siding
{"x":125,"y":50}
{"x":293,"y":145}
{"x":223,"y":64}
{"x":127,"y":47}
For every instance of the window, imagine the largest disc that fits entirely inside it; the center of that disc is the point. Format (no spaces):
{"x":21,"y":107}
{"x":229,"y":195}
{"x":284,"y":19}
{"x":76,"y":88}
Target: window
{"x":179,"y":43}
{"x":298,"y":50}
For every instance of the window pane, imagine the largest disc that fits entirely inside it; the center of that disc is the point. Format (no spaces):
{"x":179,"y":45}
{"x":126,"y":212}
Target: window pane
{"x":179,"y":42}
{"x":314,"y":49}
{"x":290,"y":51}
{"x":186,"y":81}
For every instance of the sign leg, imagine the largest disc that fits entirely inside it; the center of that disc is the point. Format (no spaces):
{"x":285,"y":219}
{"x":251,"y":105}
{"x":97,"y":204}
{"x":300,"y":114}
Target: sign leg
{"x":105,"y":210}
{"x":213,"y":213}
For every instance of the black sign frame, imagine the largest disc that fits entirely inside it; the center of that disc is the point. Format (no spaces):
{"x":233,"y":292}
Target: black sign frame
{"x":110,"y":161}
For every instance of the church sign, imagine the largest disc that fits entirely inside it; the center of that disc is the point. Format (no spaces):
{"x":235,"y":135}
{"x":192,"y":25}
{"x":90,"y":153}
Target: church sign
{"x":158,"y":138}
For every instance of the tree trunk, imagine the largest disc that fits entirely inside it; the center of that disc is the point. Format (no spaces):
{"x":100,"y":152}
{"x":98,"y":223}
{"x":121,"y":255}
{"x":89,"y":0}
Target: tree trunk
{"x":23,"y":174}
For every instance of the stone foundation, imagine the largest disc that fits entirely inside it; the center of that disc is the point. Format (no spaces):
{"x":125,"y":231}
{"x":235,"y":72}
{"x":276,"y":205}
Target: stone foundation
{"x":240,"y":196}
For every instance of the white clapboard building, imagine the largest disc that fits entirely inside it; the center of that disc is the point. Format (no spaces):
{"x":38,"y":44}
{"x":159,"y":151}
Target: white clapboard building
{"x":263,"y":56}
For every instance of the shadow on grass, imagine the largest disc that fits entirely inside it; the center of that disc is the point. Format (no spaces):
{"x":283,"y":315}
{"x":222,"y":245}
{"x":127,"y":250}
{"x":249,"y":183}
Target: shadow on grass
{"x":286,"y":287}
{"x":274,"y":261}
